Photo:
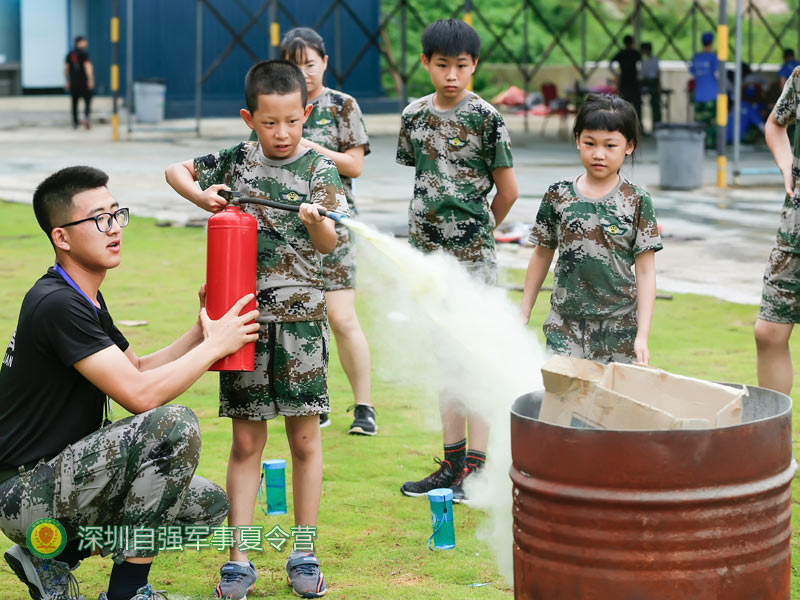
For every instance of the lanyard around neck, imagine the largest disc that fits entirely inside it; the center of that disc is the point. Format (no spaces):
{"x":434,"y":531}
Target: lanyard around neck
{"x":73,"y":285}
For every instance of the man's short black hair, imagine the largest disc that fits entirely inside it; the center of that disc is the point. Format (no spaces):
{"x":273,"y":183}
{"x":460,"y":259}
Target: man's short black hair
{"x":647,"y":47}
{"x":450,"y":37}
{"x":788,"y":53}
{"x":52,"y":200}
{"x":628,"y":41}
{"x":273,"y":77}
{"x":79,"y":39}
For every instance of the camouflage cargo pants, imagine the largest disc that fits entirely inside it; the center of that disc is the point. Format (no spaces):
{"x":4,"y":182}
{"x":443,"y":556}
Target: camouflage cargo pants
{"x":136,"y":473}
{"x":601,"y":340}
{"x":706,"y":113}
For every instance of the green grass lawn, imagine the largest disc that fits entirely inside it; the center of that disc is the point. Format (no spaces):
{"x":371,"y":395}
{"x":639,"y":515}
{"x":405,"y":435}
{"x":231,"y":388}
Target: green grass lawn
{"x":371,"y":539}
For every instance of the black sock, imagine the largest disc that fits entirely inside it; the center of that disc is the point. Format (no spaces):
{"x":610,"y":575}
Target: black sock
{"x":71,"y":555}
{"x":126,"y":579}
{"x":455,"y":453}
{"x":475,"y":459}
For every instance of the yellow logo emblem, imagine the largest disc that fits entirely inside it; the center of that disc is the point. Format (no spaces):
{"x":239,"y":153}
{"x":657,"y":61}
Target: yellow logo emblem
{"x":323,"y":121}
{"x":613,"y":229}
{"x":456,"y":142}
{"x":46,"y":538}
{"x":292,"y":196}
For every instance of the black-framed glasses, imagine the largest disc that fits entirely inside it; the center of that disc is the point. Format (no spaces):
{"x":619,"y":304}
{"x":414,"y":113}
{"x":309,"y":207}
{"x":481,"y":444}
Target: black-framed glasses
{"x":105,"y":220}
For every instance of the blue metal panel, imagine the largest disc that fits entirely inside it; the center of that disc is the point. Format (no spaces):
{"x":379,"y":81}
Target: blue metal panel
{"x":164,"y":47}
{"x":9,"y":30}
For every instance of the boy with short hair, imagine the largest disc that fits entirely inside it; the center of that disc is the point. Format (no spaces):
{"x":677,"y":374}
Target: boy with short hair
{"x":460,"y":147}
{"x":292,"y":350}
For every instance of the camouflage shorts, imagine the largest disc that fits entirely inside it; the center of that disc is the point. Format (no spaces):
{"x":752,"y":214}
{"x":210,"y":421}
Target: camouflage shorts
{"x":339,"y":267}
{"x":485,"y":272}
{"x":601,"y":340}
{"x":136,"y":473}
{"x":706,"y":113}
{"x":290,"y":376}
{"x":780,"y":296}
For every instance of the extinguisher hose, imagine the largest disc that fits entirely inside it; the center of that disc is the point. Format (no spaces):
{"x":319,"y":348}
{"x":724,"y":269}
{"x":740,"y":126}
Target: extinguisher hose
{"x":237,"y":198}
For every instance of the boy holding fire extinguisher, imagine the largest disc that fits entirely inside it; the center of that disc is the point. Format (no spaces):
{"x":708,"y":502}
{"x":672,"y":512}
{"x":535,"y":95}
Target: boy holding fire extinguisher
{"x":291,"y":363}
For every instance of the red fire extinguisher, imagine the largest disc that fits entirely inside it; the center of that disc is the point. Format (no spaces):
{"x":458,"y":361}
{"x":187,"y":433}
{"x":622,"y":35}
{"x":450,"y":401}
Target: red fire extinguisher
{"x":231,"y":273}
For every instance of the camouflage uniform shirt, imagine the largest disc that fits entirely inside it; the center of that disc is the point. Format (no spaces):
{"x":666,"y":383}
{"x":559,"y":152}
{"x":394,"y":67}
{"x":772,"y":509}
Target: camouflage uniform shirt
{"x":289,"y":279}
{"x":786,"y":112}
{"x":597,"y":241}
{"x":454,"y":153}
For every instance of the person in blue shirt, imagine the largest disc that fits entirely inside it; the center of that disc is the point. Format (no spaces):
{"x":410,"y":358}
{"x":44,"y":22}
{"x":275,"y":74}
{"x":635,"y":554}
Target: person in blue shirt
{"x":789,"y":63}
{"x":704,"y":70}
{"x":750,"y":117}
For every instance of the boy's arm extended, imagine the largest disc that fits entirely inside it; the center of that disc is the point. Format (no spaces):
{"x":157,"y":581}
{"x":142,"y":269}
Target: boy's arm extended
{"x":183,"y":179}
{"x":645,"y":264}
{"x":349,"y":163}
{"x":778,"y":143}
{"x":320,"y":229}
{"x":507,"y":192}
{"x":534,"y":276}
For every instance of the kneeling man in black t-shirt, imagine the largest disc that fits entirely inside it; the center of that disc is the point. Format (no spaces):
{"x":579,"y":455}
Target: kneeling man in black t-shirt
{"x":57,"y":459}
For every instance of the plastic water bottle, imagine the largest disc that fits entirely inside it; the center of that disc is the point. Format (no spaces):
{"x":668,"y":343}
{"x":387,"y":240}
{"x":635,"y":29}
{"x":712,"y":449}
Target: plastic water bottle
{"x":275,"y":485}
{"x":444,"y":535}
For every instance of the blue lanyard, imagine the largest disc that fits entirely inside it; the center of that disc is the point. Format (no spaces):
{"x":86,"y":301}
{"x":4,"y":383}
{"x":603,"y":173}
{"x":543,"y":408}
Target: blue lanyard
{"x":73,"y":285}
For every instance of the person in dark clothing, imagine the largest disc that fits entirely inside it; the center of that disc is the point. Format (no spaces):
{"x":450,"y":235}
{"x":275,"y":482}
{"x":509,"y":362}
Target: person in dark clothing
{"x":79,"y":79}
{"x":625,"y":66}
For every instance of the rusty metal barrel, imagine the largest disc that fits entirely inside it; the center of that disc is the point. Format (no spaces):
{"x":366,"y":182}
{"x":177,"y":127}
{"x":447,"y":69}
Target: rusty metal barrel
{"x":653,"y":515}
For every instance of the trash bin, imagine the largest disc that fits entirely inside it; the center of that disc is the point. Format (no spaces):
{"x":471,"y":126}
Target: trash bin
{"x":148,"y":100}
{"x":680,"y":155}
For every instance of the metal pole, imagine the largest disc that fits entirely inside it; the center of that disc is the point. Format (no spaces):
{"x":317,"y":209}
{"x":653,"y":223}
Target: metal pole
{"x":115,"y":69}
{"x":198,"y":68}
{"x":722,"y":97}
{"x":797,"y":22}
{"x":337,"y":23}
{"x":637,"y":23}
{"x":274,"y":30}
{"x":584,"y":6}
{"x":403,"y":34}
{"x":129,"y":63}
{"x":694,"y":29}
{"x":525,"y":60}
{"x":750,"y":34}
{"x":737,"y":93}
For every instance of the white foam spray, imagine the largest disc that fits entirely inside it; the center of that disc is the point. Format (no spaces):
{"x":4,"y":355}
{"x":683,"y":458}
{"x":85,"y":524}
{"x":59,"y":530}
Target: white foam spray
{"x":444,"y":330}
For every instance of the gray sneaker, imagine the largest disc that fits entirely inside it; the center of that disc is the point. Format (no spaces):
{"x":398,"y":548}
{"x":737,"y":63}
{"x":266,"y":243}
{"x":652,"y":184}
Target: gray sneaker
{"x":363,"y":420}
{"x":235,"y":580}
{"x":143,"y":593}
{"x":306,"y":577}
{"x":47,"y":579}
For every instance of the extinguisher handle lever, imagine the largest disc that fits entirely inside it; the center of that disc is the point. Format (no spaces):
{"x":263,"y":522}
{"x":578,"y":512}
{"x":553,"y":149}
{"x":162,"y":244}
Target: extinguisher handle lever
{"x":237,"y":198}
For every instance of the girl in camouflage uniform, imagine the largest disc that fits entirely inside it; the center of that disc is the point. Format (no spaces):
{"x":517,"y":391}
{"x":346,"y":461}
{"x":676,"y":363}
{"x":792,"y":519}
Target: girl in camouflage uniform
{"x":335,"y":128}
{"x":602,"y":225}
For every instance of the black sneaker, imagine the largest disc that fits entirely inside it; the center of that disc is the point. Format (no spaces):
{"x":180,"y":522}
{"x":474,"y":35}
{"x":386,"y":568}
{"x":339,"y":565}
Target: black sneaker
{"x":443,"y":478}
{"x":324,"y":421}
{"x":363,"y":420}
{"x":459,"y":497}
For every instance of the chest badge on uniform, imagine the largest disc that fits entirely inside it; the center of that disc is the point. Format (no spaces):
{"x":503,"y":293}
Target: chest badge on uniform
{"x":614,"y":229}
{"x":323,"y":121}
{"x":456,"y":142}
{"x":292,"y":197}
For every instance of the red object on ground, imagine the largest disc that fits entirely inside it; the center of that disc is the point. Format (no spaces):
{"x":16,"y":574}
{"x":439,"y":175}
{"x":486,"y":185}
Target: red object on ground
{"x":231,"y":273}
{"x":513,"y":96}
{"x":668,"y":515}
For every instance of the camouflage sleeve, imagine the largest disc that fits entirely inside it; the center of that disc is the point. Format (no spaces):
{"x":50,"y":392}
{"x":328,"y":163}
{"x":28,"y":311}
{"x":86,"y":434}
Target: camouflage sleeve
{"x":405,"y":150}
{"x":215,"y":168}
{"x":352,"y":131}
{"x":496,"y":143}
{"x":545,"y":230}
{"x":647,"y":236}
{"x":326,"y":186}
{"x":785,"y":110}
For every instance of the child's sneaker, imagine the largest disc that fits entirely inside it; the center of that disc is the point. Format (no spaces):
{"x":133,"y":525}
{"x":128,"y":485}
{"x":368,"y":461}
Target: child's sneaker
{"x":324,"y":420}
{"x":47,"y":579}
{"x":459,"y":497}
{"x":443,"y":478}
{"x":364,"y":420}
{"x":235,"y":580}
{"x":306,"y":577}
{"x":143,"y":593}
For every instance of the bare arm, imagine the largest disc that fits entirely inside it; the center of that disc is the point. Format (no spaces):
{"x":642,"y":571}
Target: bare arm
{"x":349,"y":163}
{"x":87,"y":66}
{"x":183,"y":179}
{"x":534,"y":277}
{"x":321,"y":229}
{"x":781,"y":148}
{"x":506,"y":194}
{"x":645,"y":265}
{"x":66,"y":76}
{"x":137,"y":390}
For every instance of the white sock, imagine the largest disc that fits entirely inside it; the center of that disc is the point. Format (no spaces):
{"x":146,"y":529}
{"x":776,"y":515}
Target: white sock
{"x":241,"y":563}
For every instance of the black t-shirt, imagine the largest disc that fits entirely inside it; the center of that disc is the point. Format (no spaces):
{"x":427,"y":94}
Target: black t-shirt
{"x":627,"y":60}
{"x":76,"y":60}
{"x":45,"y":403}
